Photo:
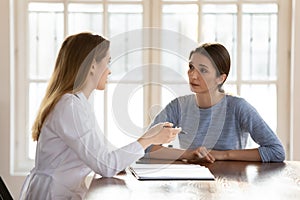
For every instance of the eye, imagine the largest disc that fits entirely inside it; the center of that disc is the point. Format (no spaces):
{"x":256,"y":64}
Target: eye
{"x":203,"y":70}
{"x":191,"y":67}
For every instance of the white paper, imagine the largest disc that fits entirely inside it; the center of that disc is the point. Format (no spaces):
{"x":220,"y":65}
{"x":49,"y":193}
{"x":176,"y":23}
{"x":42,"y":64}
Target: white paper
{"x":170,"y":172}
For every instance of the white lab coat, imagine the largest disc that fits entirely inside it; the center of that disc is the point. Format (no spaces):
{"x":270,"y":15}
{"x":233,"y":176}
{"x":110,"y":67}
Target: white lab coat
{"x":70,"y":146}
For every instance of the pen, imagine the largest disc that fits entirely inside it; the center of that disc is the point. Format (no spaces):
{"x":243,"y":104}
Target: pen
{"x":182,"y":131}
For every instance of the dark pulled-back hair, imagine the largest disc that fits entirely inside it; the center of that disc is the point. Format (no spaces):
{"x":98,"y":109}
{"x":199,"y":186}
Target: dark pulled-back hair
{"x":219,"y":57}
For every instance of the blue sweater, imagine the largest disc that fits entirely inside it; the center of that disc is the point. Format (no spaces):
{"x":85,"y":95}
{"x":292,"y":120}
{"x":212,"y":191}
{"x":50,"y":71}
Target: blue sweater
{"x":224,"y":126}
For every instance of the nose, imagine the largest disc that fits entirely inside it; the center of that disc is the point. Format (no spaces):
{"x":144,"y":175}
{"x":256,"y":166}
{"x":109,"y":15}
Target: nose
{"x":193,"y":74}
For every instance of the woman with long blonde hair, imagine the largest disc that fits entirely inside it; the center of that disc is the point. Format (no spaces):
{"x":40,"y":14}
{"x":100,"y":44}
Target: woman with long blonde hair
{"x":69,"y":142}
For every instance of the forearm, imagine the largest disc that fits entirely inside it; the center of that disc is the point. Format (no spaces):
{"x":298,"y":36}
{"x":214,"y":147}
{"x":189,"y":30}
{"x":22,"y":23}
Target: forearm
{"x":145,"y":143}
{"x":160,"y":152}
{"x":242,"y":155}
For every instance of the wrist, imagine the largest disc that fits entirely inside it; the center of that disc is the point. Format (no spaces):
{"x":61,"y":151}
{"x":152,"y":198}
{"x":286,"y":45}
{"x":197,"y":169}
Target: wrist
{"x":227,"y":155}
{"x":145,"y":143}
{"x":220,"y":155}
{"x":186,"y":154}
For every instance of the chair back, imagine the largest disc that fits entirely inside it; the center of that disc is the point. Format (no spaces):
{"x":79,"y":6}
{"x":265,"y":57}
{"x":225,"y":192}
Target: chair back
{"x":4,"y":193}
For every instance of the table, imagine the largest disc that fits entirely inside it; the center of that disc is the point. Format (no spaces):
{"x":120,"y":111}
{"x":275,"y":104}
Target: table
{"x":234,"y":180}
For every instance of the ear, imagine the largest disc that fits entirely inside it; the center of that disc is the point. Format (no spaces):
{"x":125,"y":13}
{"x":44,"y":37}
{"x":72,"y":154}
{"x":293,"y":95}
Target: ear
{"x":221,"y":78}
{"x":92,"y":69}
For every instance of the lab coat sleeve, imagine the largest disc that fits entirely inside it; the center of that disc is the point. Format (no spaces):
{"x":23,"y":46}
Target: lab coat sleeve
{"x":77,"y":127}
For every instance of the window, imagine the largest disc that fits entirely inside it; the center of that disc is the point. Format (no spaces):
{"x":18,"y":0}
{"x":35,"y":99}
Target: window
{"x":149,"y":65}
{"x":45,"y":36}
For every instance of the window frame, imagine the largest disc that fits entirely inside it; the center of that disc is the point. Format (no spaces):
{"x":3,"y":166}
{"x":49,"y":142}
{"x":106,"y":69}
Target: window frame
{"x":151,"y":18}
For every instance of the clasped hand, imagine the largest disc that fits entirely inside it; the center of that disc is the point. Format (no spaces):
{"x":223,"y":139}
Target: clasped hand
{"x":200,"y":154}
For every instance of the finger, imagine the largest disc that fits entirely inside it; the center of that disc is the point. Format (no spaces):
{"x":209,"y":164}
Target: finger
{"x":198,"y":155}
{"x":210,"y":158}
{"x":171,"y":131}
{"x":205,"y":155}
{"x":175,"y":133}
{"x":177,"y":130}
{"x":167,"y":125}
{"x":202,"y":151}
{"x":170,"y":139}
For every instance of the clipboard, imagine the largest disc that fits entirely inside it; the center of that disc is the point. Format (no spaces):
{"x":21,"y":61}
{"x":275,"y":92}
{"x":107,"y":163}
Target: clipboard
{"x":152,"y":172}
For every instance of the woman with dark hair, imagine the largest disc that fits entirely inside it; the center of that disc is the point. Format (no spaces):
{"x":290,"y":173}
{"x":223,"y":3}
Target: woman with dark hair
{"x":69,"y":142}
{"x":217,"y":124}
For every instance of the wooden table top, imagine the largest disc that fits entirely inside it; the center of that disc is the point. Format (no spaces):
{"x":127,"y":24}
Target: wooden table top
{"x":234,"y":180}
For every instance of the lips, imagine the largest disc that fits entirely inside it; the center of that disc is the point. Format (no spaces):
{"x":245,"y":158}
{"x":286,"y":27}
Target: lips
{"x":194,"y":84}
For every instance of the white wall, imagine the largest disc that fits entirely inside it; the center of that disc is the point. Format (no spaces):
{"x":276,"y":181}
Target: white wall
{"x":15,"y":182}
{"x":295,"y":84}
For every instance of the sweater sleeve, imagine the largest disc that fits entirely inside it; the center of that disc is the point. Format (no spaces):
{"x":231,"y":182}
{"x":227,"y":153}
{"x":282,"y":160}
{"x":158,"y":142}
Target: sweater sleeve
{"x":270,"y":147}
{"x":169,"y":114}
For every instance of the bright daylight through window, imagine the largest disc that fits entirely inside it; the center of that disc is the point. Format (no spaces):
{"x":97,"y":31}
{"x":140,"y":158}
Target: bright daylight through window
{"x":248,"y":30}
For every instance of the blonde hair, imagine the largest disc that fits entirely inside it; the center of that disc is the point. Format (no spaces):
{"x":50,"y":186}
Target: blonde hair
{"x":72,"y":66}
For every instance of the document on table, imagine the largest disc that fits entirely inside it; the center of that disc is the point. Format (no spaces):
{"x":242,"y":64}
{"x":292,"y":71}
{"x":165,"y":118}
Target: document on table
{"x":170,"y":172}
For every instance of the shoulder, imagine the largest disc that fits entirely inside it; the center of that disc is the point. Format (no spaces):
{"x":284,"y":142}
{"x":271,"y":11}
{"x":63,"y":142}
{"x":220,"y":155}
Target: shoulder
{"x":186,"y":99}
{"x":234,"y":98}
{"x":182,"y":101}
{"x":70,"y":104}
{"x":236,"y":101}
{"x":71,"y":111}
{"x":67,"y":100}
{"x":179,"y":103}
{"x":241,"y":107}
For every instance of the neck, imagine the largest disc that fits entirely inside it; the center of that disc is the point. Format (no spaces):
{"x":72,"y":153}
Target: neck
{"x":87,"y":92}
{"x":207,"y":100}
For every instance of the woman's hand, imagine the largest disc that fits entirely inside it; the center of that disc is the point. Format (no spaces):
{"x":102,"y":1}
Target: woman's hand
{"x":200,"y":154}
{"x":159,"y":134}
